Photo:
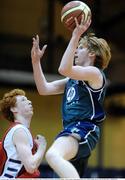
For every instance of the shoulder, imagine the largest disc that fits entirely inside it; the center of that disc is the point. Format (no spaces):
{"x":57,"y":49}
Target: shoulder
{"x":13,"y":128}
{"x":93,"y":70}
{"x":20,"y":127}
{"x":93,"y":74}
{"x":20,"y":133}
{"x":97,"y":79}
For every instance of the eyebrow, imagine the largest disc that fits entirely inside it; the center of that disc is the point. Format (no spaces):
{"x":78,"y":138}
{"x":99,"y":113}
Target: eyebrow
{"x":23,"y":97}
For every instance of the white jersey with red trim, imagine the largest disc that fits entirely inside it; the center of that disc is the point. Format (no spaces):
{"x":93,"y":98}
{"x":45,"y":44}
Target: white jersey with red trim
{"x":13,"y":164}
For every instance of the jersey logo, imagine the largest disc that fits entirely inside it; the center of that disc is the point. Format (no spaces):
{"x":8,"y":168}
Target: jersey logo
{"x":71,"y":94}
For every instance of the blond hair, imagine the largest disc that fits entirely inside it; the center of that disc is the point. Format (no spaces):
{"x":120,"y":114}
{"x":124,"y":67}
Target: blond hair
{"x":8,"y":101}
{"x":100,"y":48}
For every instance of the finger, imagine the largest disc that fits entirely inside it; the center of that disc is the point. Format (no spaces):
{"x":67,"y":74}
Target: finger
{"x":34,"y":42}
{"x":89,"y":19}
{"x":35,"y":45}
{"x":38,"y":136}
{"x":88,"y":22}
{"x":33,"y":39}
{"x":44,"y":47}
{"x":82,"y":20}
{"x":76,"y":21}
{"x":37,"y":38}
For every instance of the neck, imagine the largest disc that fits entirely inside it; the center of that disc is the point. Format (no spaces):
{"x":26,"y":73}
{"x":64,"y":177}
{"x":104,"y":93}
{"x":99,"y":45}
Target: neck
{"x":89,"y":62}
{"x":23,"y":120}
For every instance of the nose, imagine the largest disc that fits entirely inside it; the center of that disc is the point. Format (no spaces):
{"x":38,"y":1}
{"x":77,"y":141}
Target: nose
{"x":30,"y":102}
{"x":76,"y":51}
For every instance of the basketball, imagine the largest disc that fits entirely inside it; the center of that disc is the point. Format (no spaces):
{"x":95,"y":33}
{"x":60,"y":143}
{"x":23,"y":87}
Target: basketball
{"x":74,"y":9}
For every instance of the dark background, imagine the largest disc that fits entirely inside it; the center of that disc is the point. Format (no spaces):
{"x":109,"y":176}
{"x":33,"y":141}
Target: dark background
{"x":107,"y":21}
{"x":21,"y":20}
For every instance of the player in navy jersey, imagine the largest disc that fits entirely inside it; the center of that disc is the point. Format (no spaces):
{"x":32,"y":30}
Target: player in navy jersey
{"x":84,"y":89}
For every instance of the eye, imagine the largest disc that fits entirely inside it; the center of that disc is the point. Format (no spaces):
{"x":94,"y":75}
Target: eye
{"x":24,"y":99}
{"x":80,"y":47}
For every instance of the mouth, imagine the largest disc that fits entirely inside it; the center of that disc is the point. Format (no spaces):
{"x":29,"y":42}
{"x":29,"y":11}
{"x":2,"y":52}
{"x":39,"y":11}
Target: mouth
{"x":76,"y":56}
{"x":31,"y":107}
{"x":75,"y":59}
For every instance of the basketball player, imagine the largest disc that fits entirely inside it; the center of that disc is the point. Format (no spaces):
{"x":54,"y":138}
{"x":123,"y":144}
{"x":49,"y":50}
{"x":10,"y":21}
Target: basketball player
{"x":20,"y":155}
{"x":84,"y":89}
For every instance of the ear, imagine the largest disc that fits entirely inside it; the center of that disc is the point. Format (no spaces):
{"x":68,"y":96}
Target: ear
{"x":13,"y":109}
{"x":92,"y":54}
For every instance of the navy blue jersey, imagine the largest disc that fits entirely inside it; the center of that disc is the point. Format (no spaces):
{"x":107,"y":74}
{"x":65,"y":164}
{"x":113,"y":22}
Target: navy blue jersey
{"x":81,"y":102}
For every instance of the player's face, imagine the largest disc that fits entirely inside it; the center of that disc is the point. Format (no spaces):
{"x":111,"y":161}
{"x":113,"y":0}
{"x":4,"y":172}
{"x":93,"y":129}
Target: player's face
{"x":81,"y":55}
{"x":23,"y":105}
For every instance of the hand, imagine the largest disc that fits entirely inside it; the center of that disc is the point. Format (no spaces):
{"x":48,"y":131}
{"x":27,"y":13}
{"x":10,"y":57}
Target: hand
{"x":81,"y":28}
{"x":36,"y":53}
{"x":41,"y":142}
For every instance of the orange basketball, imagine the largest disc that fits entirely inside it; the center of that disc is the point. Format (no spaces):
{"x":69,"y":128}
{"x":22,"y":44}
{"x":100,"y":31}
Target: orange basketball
{"x":74,"y":9}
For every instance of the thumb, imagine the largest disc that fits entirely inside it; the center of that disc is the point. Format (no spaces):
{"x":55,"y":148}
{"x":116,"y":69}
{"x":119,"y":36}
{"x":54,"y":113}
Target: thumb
{"x":44,"y":48}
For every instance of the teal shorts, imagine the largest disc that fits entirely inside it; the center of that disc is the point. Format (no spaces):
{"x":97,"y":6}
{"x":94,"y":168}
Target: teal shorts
{"x":87,"y":135}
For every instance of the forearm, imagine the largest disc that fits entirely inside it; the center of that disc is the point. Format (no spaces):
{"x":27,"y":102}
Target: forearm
{"x":68,"y":57}
{"x":32,"y":162}
{"x":38,"y":157}
{"x":39,"y":78}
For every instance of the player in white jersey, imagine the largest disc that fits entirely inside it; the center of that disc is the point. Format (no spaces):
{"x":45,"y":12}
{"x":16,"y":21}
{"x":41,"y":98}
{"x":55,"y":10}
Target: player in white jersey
{"x":20,"y":154}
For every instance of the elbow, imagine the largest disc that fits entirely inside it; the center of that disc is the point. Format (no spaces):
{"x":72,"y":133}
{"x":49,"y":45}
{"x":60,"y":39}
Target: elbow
{"x":31,"y":169}
{"x":42,"y":92}
{"x":63,"y":71}
{"x":60,"y":70}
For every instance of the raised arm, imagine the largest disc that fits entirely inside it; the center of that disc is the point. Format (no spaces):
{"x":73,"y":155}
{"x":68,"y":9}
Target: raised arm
{"x":67,"y":67}
{"x":84,"y":69}
{"x":43,"y":87}
{"x":31,"y":162}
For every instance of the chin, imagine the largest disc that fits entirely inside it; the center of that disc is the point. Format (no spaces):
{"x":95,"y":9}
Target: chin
{"x":76,"y":63}
{"x":30,"y":113}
